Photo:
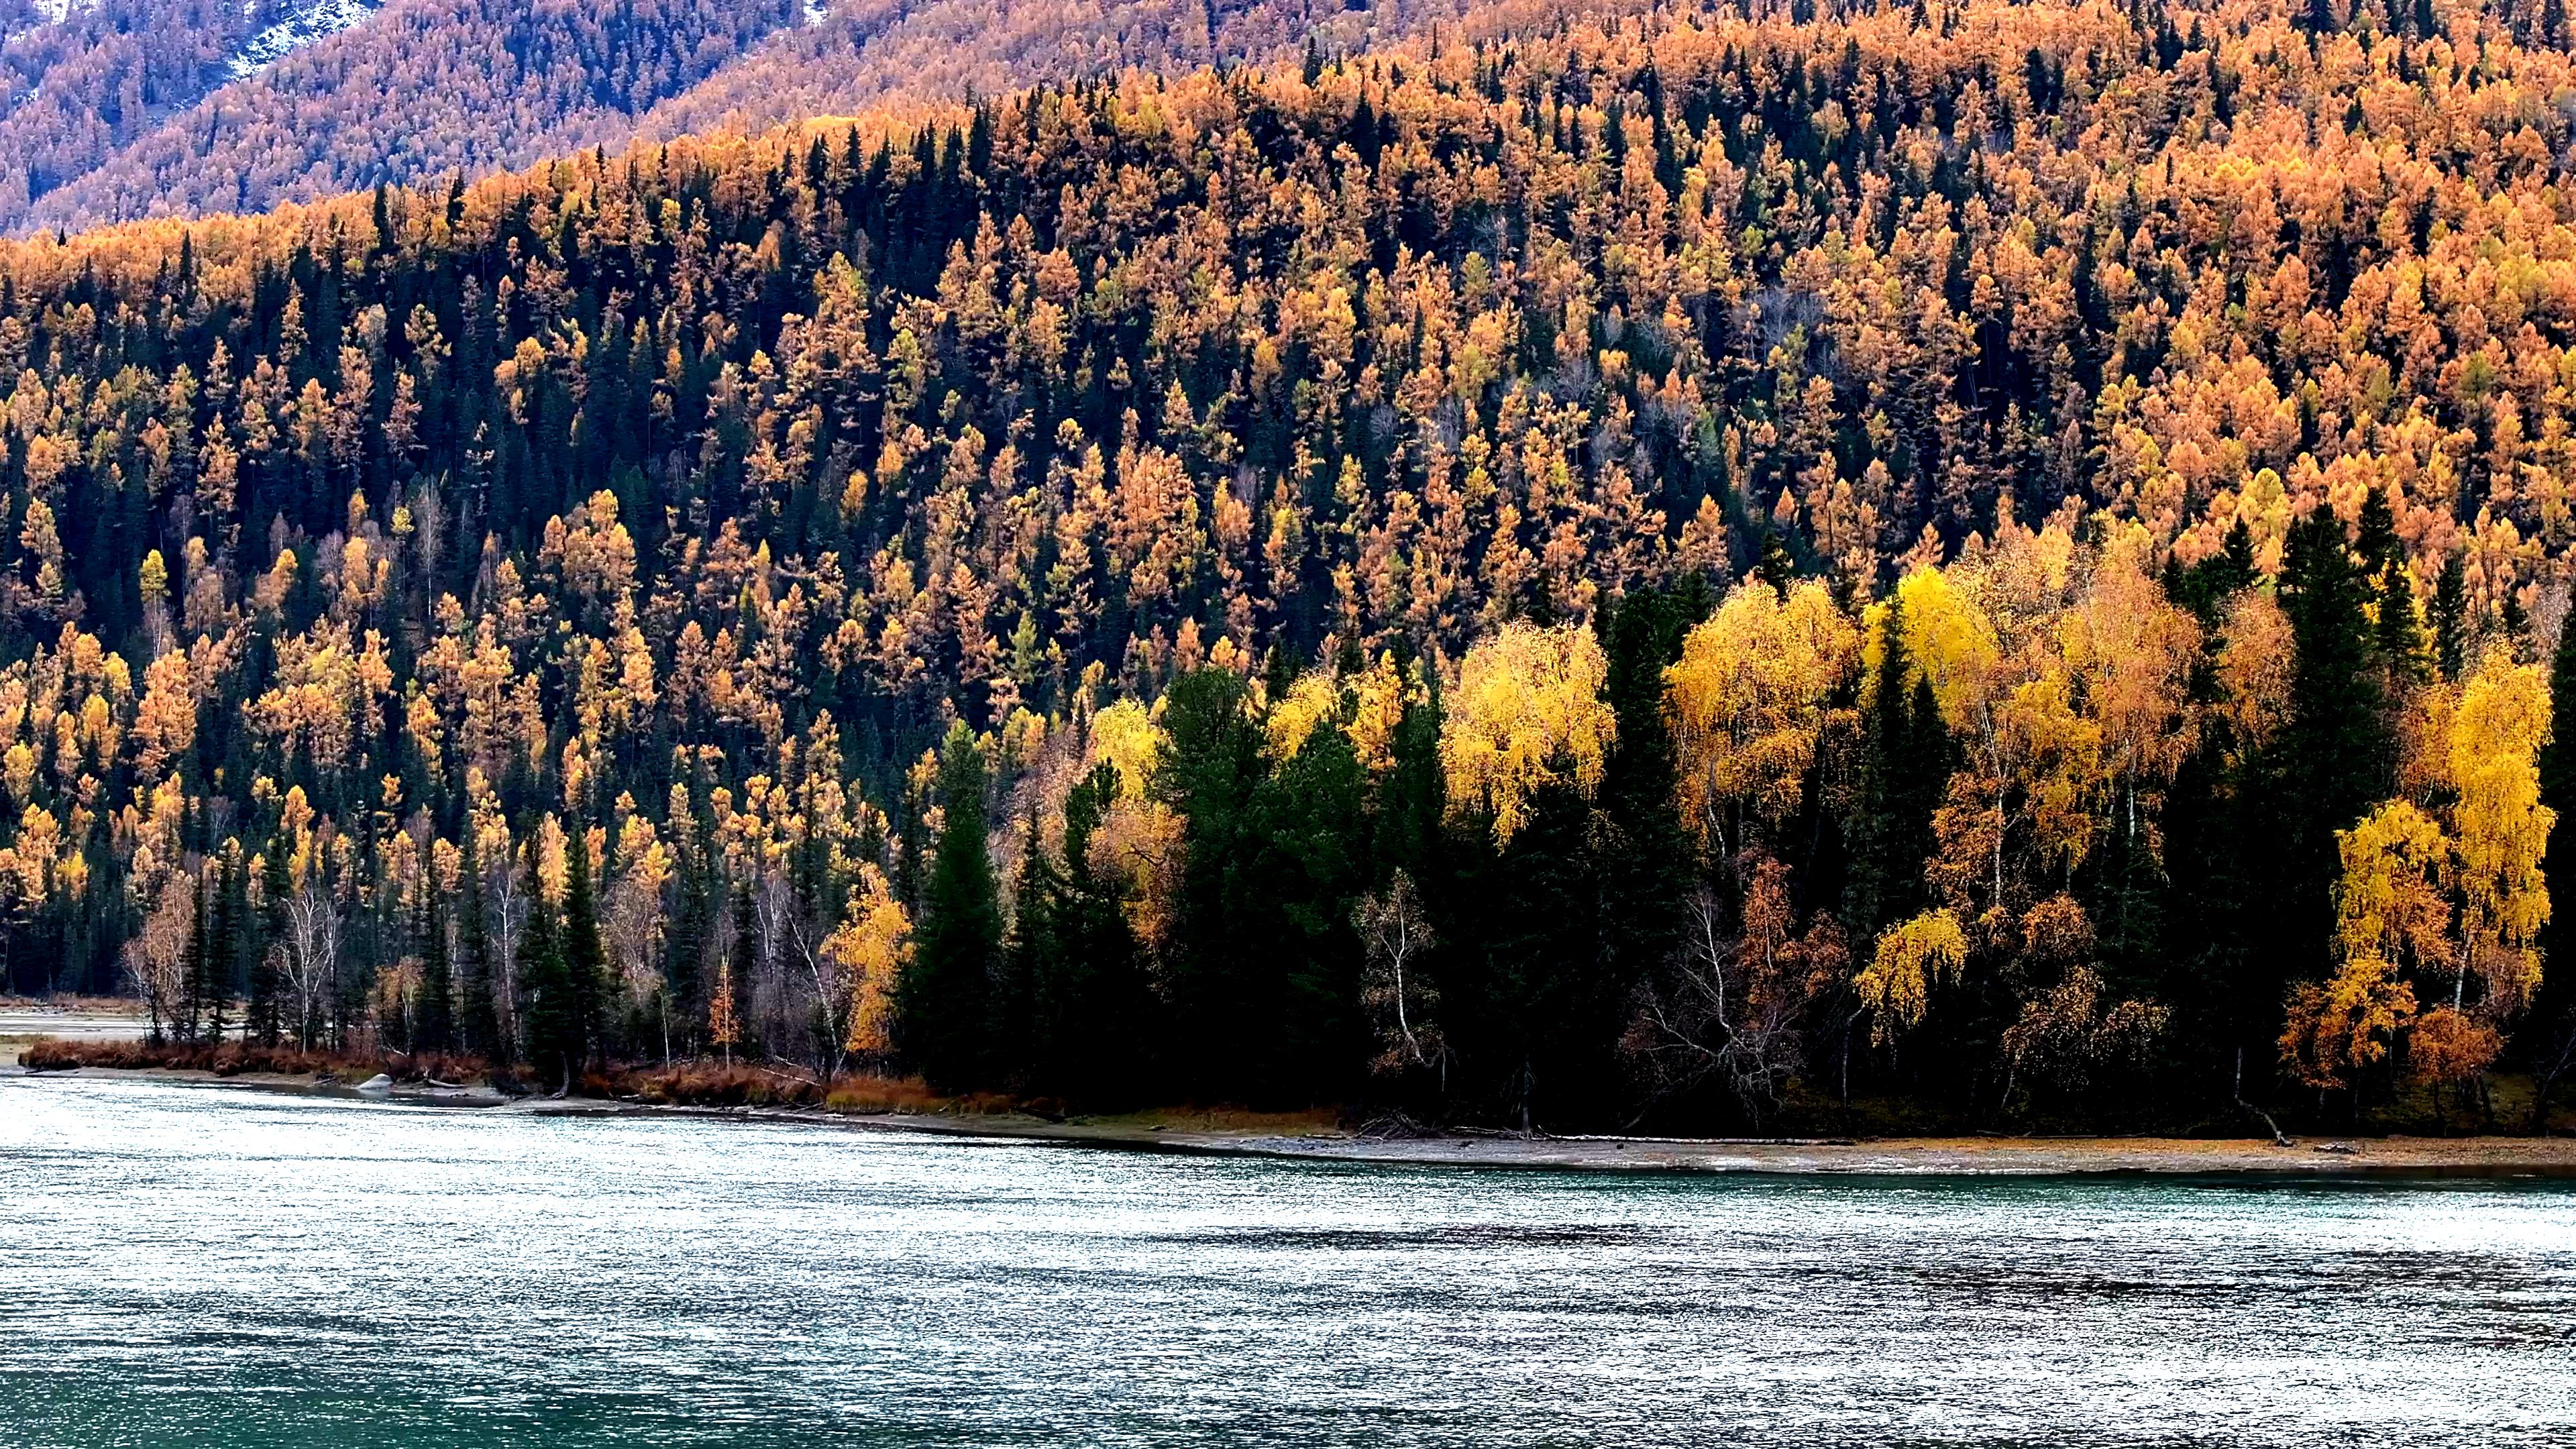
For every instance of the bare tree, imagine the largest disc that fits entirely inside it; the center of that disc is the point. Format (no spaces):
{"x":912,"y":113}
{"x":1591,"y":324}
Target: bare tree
{"x":1397,"y":995}
{"x":157,"y":958}
{"x":311,"y":954}
{"x":1730,"y":1005}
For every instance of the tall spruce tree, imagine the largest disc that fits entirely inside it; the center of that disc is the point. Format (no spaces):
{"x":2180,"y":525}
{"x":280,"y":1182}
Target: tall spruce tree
{"x":2553,"y":1007}
{"x":480,"y":1021}
{"x":947,"y":995}
{"x":585,"y":956}
{"x":434,"y":1013}
{"x":551,"y":1006}
{"x":2337,"y":753}
{"x":1206,"y":773}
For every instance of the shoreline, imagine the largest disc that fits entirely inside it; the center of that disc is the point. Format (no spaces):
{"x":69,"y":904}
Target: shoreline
{"x":1309,"y":1139}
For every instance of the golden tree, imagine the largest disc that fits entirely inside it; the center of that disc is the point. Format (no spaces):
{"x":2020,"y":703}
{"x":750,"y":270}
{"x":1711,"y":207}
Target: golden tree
{"x":1527,"y":714}
{"x":1748,"y":701}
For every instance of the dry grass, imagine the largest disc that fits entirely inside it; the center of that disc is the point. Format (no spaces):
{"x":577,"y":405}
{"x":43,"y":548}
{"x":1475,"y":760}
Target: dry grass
{"x":742,"y":1084}
{"x":236,"y":1058}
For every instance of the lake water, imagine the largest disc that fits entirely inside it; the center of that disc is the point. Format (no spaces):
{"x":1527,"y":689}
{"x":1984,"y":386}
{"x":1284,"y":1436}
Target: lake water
{"x":207,"y":1267}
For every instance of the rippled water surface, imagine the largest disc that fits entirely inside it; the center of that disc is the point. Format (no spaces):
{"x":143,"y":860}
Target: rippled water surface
{"x":197,"y":1266}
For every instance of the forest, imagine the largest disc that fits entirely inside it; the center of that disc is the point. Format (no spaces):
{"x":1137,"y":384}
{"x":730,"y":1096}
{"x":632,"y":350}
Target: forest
{"x":1979,"y":564}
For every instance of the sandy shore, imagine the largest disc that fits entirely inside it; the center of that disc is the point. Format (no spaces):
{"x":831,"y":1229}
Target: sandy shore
{"x":1313,"y":1138}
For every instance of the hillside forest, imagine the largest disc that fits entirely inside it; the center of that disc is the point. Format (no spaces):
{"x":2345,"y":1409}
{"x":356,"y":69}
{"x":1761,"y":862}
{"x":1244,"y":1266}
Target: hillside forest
{"x":1992,"y":563}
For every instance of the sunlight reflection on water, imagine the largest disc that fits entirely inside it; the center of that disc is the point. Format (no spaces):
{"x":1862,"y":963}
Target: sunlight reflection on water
{"x":224,"y":1268}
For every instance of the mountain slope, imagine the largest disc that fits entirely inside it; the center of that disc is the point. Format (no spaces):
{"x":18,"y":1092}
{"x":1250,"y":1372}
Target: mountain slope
{"x":178,"y":109}
{"x":80,"y":79}
{"x":420,"y":88}
{"x":868,"y":52}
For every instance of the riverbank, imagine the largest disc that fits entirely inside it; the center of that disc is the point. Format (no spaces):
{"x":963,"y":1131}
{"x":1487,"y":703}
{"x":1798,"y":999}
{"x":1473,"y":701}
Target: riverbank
{"x":1317,"y":1137}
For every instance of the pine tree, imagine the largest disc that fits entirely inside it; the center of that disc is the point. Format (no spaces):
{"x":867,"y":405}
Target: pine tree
{"x":2337,"y":752}
{"x":194,"y":992}
{"x":585,"y":957}
{"x":266,"y":1022}
{"x":552,"y":1006}
{"x":2553,"y":1007}
{"x":481,"y":1023}
{"x":947,"y":996}
{"x":433,"y":1017}
{"x":1206,"y":774}
{"x":1097,"y":1014}
{"x":224,"y":944}
{"x":2451,"y":618}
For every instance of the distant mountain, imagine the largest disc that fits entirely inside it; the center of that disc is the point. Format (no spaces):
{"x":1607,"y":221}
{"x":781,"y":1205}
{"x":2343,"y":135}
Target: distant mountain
{"x":332,"y":96}
{"x":865,"y":52}
{"x":82,"y":79}
{"x":123,"y":109}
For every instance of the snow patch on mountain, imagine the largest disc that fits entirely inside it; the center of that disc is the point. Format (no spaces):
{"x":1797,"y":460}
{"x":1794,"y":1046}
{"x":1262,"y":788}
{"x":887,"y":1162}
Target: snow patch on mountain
{"x":300,"y":24}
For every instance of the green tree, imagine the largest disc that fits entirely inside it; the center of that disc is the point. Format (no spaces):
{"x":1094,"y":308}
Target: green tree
{"x":551,"y":1004}
{"x":947,"y":995}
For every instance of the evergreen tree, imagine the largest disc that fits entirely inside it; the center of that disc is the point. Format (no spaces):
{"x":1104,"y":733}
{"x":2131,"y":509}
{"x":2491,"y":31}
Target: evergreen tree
{"x":1206,"y":774}
{"x":1905,"y":769}
{"x":1096,"y":1012}
{"x":585,"y":956}
{"x":193,"y":990}
{"x":551,"y":1004}
{"x":481,"y":1023}
{"x":225,"y":947}
{"x":212,"y":962}
{"x":266,"y":1021}
{"x":433,"y":1017}
{"x":1028,"y":952}
{"x":2337,"y":752}
{"x":947,"y":996}
{"x":2553,"y":1007}
{"x":2451,"y":617}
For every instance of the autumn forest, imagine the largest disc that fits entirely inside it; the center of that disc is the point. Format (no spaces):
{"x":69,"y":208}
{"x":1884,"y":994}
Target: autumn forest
{"x":1928,"y":565}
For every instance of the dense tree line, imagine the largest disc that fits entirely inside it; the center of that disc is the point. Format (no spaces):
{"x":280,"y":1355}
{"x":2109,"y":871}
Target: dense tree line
{"x":1996,"y":557}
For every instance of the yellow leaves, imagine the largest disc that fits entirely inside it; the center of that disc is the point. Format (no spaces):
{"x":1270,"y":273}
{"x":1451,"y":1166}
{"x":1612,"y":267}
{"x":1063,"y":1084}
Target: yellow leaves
{"x":325,"y":693}
{"x":165,"y":723}
{"x":2134,"y":653}
{"x":871,"y":948}
{"x":1526,"y":714}
{"x":18,"y":772}
{"x":2389,"y":902}
{"x":1949,"y":641}
{"x":1125,"y":735}
{"x":1896,"y":986}
{"x":592,"y":550}
{"x":1314,"y":702}
{"x":1154,"y":534}
{"x":1747,"y":699}
{"x":2334,"y":1028}
{"x":2389,"y":906}
{"x":2403,"y":876}
{"x":2500,"y":828}
{"x":2254,"y":668}
{"x":1369,"y":705}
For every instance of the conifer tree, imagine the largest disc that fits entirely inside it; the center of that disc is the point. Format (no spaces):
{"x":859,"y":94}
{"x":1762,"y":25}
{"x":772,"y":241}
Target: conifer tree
{"x":433,"y":1016}
{"x":194,"y":990}
{"x":947,"y":996}
{"x":2337,"y":752}
{"x":2451,"y":617}
{"x":552,"y":1005}
{"x":585,"y":957}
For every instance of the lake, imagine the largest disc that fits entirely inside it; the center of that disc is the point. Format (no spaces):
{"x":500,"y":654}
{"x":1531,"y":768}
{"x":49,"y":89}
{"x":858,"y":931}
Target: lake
{"x":215,"y":1267}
